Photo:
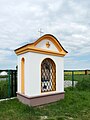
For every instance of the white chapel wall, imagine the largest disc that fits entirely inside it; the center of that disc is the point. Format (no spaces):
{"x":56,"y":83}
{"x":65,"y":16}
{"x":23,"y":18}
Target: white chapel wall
{"x":33,"y":73}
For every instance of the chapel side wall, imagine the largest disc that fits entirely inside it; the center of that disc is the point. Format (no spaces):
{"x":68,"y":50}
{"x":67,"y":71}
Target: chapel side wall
{"x":35,"y":73}
{"x":60,"y":74}
{"x":26,"y":74}
{"x":18,"y":81}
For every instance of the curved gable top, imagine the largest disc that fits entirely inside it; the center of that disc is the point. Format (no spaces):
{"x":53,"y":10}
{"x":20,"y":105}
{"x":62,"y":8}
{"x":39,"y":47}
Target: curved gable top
{"x":53,"y":40}
{"x":45,"y":39}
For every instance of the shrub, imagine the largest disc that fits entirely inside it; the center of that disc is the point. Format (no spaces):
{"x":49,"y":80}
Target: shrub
{"x":3,"y":89}
{"x":83,"y":85}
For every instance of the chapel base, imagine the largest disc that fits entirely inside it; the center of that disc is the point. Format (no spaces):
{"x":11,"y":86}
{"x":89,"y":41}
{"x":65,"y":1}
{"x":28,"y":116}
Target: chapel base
{"x":40,"y":100}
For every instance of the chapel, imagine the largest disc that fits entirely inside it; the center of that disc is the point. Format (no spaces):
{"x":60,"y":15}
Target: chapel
{"x":41,"y":71}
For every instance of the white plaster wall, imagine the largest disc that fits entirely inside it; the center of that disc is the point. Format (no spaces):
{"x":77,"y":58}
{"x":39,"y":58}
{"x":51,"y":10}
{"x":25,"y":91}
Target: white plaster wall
{"x":42,"y":45}
{"x":33,"y":73}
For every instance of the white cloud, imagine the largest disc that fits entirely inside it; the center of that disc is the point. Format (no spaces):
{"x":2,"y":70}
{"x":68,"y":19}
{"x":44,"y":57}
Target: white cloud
{"x":68,"y":20}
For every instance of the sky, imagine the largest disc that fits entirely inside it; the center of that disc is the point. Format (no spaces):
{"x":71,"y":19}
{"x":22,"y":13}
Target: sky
{"x":67,"y":20}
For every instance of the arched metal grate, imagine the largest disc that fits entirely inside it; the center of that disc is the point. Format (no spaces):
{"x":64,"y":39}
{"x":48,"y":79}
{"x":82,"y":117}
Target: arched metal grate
{"x":48,"y":75}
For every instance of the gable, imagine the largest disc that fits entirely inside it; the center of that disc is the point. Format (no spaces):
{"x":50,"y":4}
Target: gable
{"x":46,"y":44}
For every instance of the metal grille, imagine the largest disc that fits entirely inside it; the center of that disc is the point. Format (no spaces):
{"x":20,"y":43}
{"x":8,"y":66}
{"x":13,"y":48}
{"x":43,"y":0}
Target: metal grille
{"x":48,"y":75}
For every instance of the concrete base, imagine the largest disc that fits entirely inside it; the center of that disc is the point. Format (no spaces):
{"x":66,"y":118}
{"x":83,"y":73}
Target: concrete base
{"x":40,"y":100}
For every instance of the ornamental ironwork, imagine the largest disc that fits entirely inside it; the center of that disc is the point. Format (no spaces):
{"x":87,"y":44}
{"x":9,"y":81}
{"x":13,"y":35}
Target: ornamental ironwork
{"x":48,"y":75}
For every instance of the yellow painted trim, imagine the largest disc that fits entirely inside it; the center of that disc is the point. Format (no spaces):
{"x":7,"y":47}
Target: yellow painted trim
{"x":32,"y":47}
{"x":40,"y":51}
{"x":22,"y":75}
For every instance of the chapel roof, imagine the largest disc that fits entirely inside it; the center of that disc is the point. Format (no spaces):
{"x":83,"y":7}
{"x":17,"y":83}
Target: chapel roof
{"x":31,"y":46}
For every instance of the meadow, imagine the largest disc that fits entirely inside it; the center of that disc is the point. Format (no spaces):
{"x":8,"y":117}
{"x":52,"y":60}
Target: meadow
{"x":75,"y":106}
{"x":77,"y":75}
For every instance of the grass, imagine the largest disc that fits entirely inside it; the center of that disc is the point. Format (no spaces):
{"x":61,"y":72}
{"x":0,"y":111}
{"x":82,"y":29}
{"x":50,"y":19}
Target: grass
{"x":83,"y":85}
{"x":77,"y":77}
{"x":75,"y":106}
{"x":3,"y":89}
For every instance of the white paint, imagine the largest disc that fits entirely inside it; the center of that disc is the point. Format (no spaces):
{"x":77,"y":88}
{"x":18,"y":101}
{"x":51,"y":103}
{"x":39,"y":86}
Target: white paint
{"x":33,"y":73}
{"x":7,"y":99}
{"x":68,"y":83}
{"x":42,"y":45}
{"x":3,"y":73}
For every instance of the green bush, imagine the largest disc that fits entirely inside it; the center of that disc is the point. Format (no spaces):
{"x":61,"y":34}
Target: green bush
{"x":3,"y":89}
{"x":3,"y":76}
{"x":83,"y":85}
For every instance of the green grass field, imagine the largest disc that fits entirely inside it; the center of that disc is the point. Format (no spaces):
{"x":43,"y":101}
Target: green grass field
{"x":75,"y":106}
{"x":78,"y":76}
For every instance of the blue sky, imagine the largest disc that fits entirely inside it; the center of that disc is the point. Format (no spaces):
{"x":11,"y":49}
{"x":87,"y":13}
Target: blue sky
{"x":67,"y":20}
